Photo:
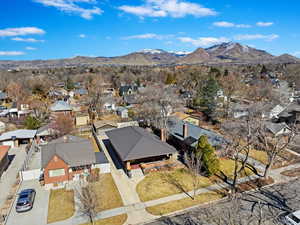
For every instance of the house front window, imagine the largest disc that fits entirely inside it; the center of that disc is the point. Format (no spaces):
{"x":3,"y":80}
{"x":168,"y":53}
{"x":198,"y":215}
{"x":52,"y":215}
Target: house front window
{"x":56,"y":173}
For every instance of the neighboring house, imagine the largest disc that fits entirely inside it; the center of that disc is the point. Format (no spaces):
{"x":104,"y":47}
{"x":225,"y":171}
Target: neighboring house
{"x":17,"y":137}
{"x":240,"y":110}
{"x":4,"y":160}
{"x":187,"y":118}
{"x":188,"y":134}
{"x":44,"y":134}
{"x":278,"y":128}
{"x":80,"y":92}
{"x":122,"y":112}
{"x":69,"y":158}
{"x":109,"y":103}
{"x":135,"y":145}
{"x":101,"y":126}
{"x":276,"y":111}
{"x":130,"y":99}
{"x":81,"y":119}
{"x":3,"y":97}
{"x":128,"y":90}
{"x":290,"y":115}
{"x":61,"y":108}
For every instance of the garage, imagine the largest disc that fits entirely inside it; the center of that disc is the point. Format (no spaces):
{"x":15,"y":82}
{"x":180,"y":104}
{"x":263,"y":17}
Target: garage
{"x":17,"y":137}
{"x":30,"y":174}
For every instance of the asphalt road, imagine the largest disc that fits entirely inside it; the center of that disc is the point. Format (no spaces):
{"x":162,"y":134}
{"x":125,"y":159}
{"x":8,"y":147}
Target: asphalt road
{"x":268,"y":205}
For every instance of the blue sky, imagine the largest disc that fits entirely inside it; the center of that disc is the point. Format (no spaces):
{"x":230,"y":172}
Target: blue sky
{"x":48,"y":29}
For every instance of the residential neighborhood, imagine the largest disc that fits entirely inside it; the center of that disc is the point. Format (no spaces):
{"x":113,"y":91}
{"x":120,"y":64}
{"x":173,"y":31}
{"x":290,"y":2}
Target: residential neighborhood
{"x":128,"y":155}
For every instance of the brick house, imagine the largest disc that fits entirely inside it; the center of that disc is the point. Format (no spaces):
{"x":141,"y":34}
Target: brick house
{"x":4,"y":160}
{"x":61,"y":108}
{"x":68,"y":158}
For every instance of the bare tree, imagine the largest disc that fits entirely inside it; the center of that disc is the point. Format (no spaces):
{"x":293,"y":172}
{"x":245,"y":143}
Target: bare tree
{"x":273,"y":145}
{"x":87,"y":201}
{"x":194,"y":165}
{"x":238,"y":150}
{"x":62,"y":124}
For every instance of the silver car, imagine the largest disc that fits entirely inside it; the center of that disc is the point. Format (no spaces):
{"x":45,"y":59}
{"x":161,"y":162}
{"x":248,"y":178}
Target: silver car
{"x":293,"y":218}
{"x":25,"y":200}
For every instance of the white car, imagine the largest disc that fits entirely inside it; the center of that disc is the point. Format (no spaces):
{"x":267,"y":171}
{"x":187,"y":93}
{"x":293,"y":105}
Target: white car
{"x":293,"y":218}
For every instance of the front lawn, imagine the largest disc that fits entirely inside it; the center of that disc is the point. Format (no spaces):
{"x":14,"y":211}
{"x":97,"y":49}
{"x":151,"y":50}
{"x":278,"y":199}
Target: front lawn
{"x":173,"y":206}
{"x":227,"y":169}
{"x":107,"y":193}
{"x":260,"y":156}
{"x":115,"y":220}
{"x":61,"y":205}
{"x":161,"y":184}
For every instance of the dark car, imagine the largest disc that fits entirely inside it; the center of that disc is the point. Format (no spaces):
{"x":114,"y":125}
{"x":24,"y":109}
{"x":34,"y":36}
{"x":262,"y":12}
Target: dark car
{"x":25,"y":200}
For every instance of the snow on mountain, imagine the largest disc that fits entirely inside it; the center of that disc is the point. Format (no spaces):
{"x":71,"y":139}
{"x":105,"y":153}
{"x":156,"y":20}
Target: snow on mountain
{"x":152,"y":51}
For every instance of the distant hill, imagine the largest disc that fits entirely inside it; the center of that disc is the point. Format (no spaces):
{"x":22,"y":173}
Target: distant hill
{"x":225,"y":53}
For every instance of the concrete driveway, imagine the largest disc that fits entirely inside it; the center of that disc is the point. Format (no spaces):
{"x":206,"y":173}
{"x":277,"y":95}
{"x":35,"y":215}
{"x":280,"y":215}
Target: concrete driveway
{"x":39,"y":212}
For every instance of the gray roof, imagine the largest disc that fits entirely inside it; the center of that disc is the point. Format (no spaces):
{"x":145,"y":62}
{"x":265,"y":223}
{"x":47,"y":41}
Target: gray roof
{"x":175,"y":127}
{"x":3,"y":95}
{"x":290,"y":109}
{"x":100,"y":158}
{"x":121,"y":109}
{"x":19,"y":134}
{"x":275,"y":127}
{"x":75,"y":151}
{"x":61,"y":106}
{"x":81,"y":91}
{"x":136,"y":143}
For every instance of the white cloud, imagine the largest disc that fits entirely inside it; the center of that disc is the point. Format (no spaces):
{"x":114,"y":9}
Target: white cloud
{"x":296,"y":53}
{"x":11,"y":53}
{"x":20,"y":31}
{"x":82,"y":35}
{"x":248,"y":37}
{"x":72,"y":6}
{"x":30,"y":48}
{"x":147,"y":36}
{"x":32,"y":40}
{"x":264,"y":24}
{"x":172,"y":8}
{"x":229,"y":24}
{"x":203,"y":41}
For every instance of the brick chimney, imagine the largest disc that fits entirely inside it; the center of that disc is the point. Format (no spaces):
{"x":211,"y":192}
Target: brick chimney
{"x":185,"y":132}
{"x":163,"y":135}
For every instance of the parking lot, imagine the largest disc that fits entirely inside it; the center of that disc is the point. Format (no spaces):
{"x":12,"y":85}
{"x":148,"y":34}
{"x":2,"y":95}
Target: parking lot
{"x":38,"y":214}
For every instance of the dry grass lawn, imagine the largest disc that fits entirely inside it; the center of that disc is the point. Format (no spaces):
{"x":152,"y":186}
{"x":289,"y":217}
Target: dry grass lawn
{"x":291,"y":173}
{"x":161,"y":184}
{"x":173,"y":206}
{"x":115,"y":220}
{"x":260,"y":156}
{"x":227,"y":168}
{"x":107,"y":193}
{"x":61,"y":205}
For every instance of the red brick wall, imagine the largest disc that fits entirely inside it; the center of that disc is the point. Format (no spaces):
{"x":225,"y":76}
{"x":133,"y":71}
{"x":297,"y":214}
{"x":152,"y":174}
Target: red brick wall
{"x":56,"y":163}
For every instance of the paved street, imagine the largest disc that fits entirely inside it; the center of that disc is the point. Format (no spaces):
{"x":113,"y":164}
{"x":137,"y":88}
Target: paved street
{"x":272,"y":201}
{"x":38,"y":214}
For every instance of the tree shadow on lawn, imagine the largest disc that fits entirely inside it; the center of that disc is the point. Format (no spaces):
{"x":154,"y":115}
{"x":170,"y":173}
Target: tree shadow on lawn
{"x":173,"y":181}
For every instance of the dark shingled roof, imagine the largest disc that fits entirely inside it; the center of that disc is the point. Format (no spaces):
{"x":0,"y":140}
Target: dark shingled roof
{"x":100,"y":158}
{"x":136,"y":143}
{"x":75,"y":151}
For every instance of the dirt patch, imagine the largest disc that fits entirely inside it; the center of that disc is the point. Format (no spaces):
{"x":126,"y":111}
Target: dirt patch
{"x":291,"y":173}
{"x":284,"y":159}
{"x":253,"y":184}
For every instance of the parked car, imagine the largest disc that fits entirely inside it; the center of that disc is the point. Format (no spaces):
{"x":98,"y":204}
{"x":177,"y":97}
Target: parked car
{"x":25,"y":200}
{"x":293,"y":218}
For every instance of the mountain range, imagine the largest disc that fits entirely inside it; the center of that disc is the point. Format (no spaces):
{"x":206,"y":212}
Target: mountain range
{"x":225,"y":53}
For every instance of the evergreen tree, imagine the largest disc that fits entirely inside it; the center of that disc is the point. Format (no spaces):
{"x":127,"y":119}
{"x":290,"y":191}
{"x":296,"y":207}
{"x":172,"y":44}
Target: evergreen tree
{"x":210,"y":160}
{"x":32,"y":123}
{"x":69,"y":84}
{"x":206,"y":97}
{"x":263,"y":70}
{"x":226,"y":73}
